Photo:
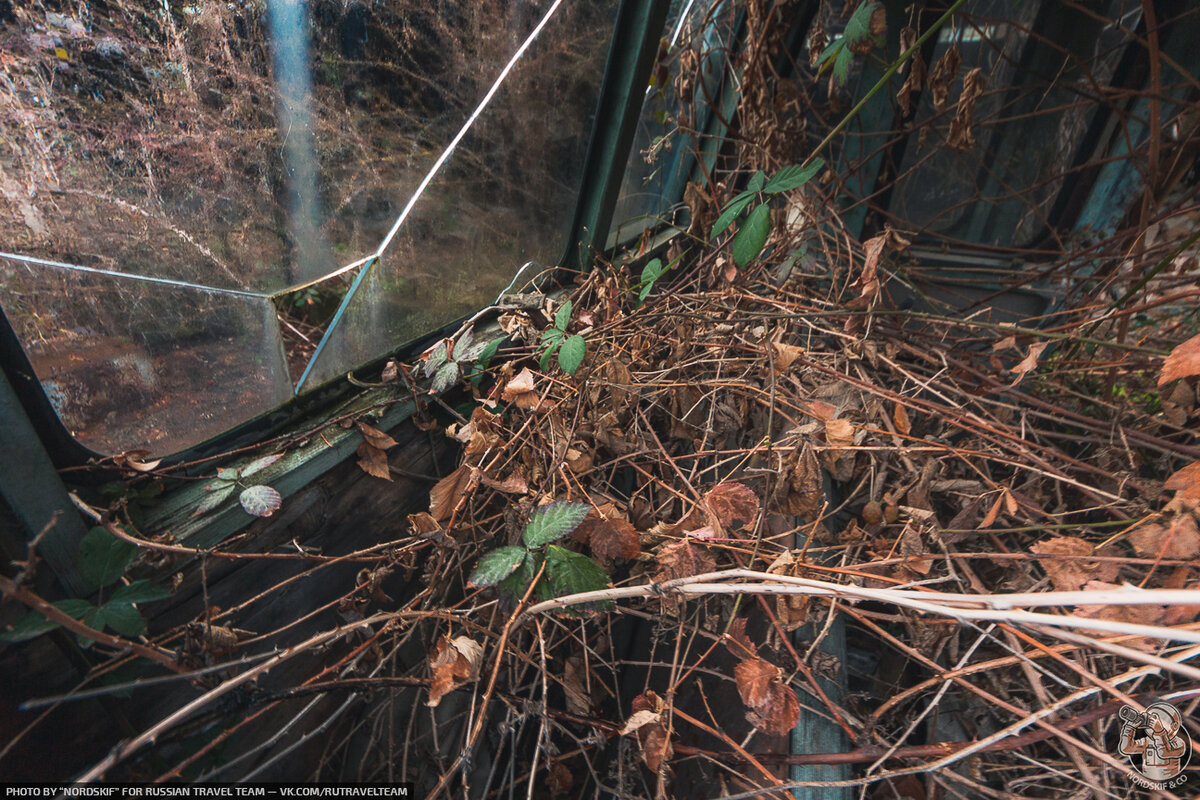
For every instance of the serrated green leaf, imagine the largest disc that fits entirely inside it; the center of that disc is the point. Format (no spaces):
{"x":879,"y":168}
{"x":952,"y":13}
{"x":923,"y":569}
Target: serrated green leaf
{"x":33,"y":624}
{"x":841,"y":66}
{"x":736,"y":207}
{"x":497,"y":565}
{"x":94,"y":620}
{"x":553,"y":521}
{"x":563,"y":316}
{"x":514,"y":585}
{"x":445,"y":378}
{"x":259,"y":464}
{"x":831,"y":49}
{"x":752,"y":235}
{"x":261,"y":501}
{"x":569,"y":572}
{"x":436,"y":358}
{"x":121,"y":617}
{"x":227,"y":473}
{"x":103,"y":557}
{"x":463,"y":344}
{"x":142,"y":591}
{"x":652,"y":270}
{"x":756,"y":183}
{"x":213,"y":500}
{"x":793,"y":177}
{"x":571,"y":354}
{"x":552,"y":335}
{"x":858,"y":28}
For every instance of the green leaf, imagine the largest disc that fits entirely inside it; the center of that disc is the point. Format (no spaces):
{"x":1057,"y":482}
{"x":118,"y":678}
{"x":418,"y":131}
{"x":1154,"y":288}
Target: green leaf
{"x":463,"y":344}
{"x":793,"y":177}
{"x":652,"y":270}
{"x":142,"y":591}
{"x":213,"y":500}
{"x":514,"y":585}
{"x":735,"y":207}
{"x":756,"y":183}
{"x":496,"y":566}
{"x":552,"y":335}
{"x":103,"y":557}
{"x":489,"y":352}
{"x":436,"y":358}
{"x":121,"y":617}
{"x":644,"y":293}
{"x":570,"y":356}
{"x":858,"y":28}
{"x":831,"y":49}
{"x":445,"y":378}
{"x":752,"y":235}
{"x":261,"y":501}
{"x":570,"y":573}
{"x":259,"y":464}
{"x":544,"y":361}
{"x":841,"y":66}
{"x":563,"y":316}
{"x":227,"y":474}
{"x":33,"y":624}
{"x":553,"y":521}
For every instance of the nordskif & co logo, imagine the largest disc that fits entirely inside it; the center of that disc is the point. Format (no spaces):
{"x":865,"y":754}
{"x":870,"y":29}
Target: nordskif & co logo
{"x":1157,"y":744}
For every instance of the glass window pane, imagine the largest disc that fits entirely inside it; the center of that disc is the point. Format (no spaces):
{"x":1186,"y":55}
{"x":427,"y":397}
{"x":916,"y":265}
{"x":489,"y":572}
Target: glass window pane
{"x":129,"y":364}
{"x":505,"y":197}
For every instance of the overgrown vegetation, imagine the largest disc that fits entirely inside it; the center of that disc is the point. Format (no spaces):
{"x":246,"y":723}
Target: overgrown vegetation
{"x":841,"y":467}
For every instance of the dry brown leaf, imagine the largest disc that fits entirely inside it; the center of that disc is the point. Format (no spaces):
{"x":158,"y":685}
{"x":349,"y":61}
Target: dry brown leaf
{"x":1030,"y":362}
{"x":839,"y":432}
{"x":447,"y":493}
{"x":993,"y":513}
{"x":803,"y":491}
{"x":1135,"y":615}
{"x":753,"y":677}
{"x":916,"y":71}
{"x":559,"y":780}
{"x":779,"y":713}
{"x":578,"y":461}
{"x":900,"y":417}
{"x":520,"y":390}
{"x":453,"y":663}
{"x":639,"y":720}
{"x":682,"y":560}
{"x":577,"y":698}
{"x":513,"y":484}
{"x":373,"y":461}
{"x":941,"y":78}
{"x":1004,"y":344}
{"x":960,"y":136}
{"x":1186,"y":482}
{"x":1178,"y":540}
{"x":375,"y":437}
{"x":608,"y":534}
{"x":1182,"y":614}
{"x":656,"y":744}
{"x":424,"y":526}
{"x":133,"y":459}
{"x":785,"y":355}
{"x":1183,"y":362}
{"x":735,"y":505}
{"x":1068,"y":575}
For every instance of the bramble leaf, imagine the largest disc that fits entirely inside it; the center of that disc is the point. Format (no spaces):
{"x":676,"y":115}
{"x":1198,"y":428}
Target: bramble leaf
{"x":794,"y":177}
{"x":142,"y":591}
{"x":736,"y":207}
{"x":103,"y":557}
{"x":33,"y":624}
{"x":261,"y":501}
{"x":213,"y":500}
{"x":445,"y":378}
{"x":122,"y":617}
{"x":497,"y":565}
{"x":552,"y":522}
{"x":259,"y":464}
{"x":436,"y":358}
{"x":563,"y":316}
{"x":570,"y":573}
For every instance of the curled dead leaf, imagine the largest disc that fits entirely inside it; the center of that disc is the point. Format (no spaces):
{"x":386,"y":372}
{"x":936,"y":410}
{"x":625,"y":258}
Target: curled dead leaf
{"x":1030,"y":362}
{"x":453,"y":663}
{"x":1179,"y":539}
{"x":375,"y":437}
{"x":942,"y":76}
{"x":373,"y":461}
{"x":451,"y":490}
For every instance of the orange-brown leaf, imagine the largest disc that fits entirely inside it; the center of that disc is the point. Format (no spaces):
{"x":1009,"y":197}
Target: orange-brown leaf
{"x":754,"y":676}
{"x":778,"y":713}
{"x":1187,"y":482}
{"x":1030,"y":362}
{"x":1183,"y":362}
{"x":447,"y":493}
{"x":375,"y":437}
{"x":1178,"y":540}
{"x":453,"y":663}
{"x":682,"y":560}
{"x":900,"y":417}
{"x":735,"y":505}
{"x":373,"y":461}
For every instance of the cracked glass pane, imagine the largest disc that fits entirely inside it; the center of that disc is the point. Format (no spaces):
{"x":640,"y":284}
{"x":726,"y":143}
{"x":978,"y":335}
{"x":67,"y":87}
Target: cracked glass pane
{"x":135,"y":365}
{"x":506,"y":196}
